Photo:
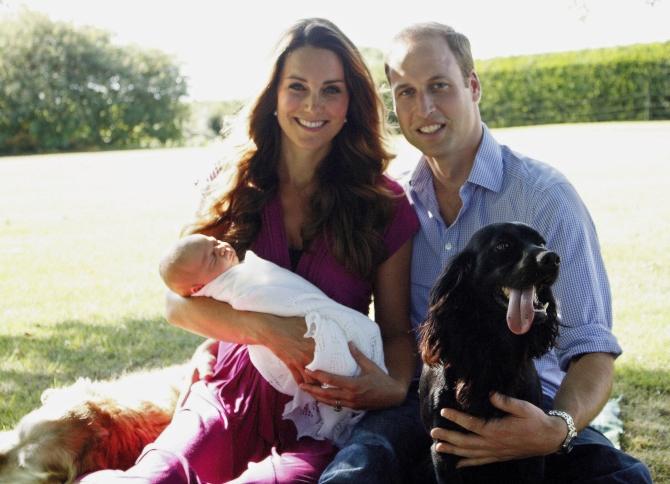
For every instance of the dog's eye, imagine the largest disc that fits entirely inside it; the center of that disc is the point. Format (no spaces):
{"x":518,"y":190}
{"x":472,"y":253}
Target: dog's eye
{"x":501,"y":246}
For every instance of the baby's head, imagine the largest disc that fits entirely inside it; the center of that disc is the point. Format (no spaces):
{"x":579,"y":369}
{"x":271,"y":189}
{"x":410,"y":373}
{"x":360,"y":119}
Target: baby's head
{"x":194,"y":261}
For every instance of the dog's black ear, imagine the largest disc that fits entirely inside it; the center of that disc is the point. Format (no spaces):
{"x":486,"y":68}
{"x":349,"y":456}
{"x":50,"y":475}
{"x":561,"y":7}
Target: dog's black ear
{"x":451,"y":279}
{"x":443,"y":297}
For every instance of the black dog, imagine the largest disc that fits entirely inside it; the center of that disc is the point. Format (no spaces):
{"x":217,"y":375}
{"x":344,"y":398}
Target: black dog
{"x":490,"y":314}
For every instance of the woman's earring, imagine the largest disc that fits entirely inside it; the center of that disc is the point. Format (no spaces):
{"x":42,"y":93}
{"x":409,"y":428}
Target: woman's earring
{"x":275,"y":113}
{"x":345,"y":120}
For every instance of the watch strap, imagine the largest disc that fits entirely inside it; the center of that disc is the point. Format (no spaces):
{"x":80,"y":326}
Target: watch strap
{"x":566,"y":446}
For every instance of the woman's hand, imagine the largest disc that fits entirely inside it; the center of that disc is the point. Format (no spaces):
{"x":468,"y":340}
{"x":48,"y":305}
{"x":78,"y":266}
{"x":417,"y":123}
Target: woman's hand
{"x":203,"y":360}
{"x":199,"y":367}
{"x":372,"y":389}
{"x":285,"y":338}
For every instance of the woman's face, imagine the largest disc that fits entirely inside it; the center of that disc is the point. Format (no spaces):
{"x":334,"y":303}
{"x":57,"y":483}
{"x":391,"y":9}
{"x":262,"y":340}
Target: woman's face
{"x":312,"y":102}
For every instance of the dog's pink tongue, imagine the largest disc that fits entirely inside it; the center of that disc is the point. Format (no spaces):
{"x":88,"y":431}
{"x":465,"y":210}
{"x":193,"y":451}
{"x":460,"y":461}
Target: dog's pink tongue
{"x":520,"y":311}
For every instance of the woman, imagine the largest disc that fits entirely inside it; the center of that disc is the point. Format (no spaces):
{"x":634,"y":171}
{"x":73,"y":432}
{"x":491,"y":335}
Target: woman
{"x":308,"y":194}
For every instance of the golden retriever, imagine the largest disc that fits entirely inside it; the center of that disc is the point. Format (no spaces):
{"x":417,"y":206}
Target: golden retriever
{"x":90,"y":425}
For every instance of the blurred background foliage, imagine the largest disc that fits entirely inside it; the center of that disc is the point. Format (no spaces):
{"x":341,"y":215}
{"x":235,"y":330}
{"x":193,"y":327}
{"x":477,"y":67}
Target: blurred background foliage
{"x":66,"y":88}
{"x":613,"y":84}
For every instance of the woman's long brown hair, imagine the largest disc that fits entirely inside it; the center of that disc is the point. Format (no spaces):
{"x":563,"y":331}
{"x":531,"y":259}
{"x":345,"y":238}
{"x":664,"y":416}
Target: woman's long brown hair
{"x":350,"y":206}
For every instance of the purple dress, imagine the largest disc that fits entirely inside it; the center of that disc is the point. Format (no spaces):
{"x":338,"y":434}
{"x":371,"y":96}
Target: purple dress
{"x":231,"y":426}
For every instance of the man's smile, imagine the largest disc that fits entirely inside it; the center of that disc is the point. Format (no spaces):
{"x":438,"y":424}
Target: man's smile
{"x":431,"y":128}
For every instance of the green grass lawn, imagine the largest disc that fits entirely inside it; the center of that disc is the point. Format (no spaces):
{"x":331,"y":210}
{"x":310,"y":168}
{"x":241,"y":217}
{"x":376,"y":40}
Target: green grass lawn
{"x":81,"y":235}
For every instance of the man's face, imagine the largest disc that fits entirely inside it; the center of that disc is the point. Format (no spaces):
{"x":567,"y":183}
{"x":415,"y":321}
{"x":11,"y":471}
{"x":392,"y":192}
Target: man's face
{"x":436,"y":106}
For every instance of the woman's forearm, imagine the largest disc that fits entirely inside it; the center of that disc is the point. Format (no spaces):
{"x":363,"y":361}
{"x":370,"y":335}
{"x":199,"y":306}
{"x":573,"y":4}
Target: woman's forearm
{"x":400,"y":358}
{"x":391,"y":296}
{"x":214,"y":319}
{"x":218,"y":320}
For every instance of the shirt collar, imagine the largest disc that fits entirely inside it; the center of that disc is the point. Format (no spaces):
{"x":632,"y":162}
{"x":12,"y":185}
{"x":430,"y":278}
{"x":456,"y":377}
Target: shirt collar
{"x":421,"y":184}
{"x":487,"y":170}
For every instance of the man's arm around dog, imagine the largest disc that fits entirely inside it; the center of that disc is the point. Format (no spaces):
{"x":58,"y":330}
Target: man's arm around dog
{"x":528,"y":431}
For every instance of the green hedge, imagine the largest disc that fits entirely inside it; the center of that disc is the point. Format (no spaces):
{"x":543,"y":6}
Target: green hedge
{"x":623,"y":83}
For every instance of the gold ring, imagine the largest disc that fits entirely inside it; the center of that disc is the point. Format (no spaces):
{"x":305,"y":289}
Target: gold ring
{"x":338,"y":406}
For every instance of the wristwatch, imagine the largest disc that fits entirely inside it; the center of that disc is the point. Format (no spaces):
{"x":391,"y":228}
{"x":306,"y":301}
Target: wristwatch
{"x":566,"y":446}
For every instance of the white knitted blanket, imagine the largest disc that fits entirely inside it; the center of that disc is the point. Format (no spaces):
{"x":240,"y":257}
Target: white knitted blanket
{"x":262,"y":286}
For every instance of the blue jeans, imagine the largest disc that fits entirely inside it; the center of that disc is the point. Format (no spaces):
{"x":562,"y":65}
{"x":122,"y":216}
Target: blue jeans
{"x":595,"y":460}
{"x":391,"y":446}
{"x":385,"y":446}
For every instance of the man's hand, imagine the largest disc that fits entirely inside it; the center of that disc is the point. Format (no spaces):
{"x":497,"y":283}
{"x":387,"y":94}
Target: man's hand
{"x":373,"y":388}
{"x":526,"y":432}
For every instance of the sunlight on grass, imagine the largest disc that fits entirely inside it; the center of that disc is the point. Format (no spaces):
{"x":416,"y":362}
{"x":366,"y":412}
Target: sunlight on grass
{"x":81,"y":235}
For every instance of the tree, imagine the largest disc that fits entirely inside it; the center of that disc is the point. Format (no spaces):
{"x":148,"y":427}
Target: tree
{"x":67,"y":88}
{"x":374,"y":58}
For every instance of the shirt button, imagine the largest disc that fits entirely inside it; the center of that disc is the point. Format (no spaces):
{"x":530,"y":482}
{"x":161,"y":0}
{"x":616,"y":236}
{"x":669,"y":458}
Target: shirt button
{"x":448,"y":246}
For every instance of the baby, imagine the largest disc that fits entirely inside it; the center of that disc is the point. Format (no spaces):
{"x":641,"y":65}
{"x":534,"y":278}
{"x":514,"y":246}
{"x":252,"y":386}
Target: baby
{"x":200,"y":265}
{"x":194,"y":261}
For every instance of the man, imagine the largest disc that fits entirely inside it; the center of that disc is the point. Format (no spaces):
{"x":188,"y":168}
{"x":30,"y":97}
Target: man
{"x":465,"y":180}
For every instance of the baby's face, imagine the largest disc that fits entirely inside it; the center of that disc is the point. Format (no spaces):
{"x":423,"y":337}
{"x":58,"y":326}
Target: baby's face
{"x":213,"y":257}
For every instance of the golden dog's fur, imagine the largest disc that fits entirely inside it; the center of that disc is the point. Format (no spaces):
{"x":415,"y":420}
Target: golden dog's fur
{"x":90,"y":425}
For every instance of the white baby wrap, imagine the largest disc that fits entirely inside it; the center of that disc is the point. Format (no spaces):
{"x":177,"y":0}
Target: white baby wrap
{"x":262,"y":286}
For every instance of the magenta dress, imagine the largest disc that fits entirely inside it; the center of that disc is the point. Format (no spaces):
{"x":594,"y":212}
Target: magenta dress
{"x":230,"y":428}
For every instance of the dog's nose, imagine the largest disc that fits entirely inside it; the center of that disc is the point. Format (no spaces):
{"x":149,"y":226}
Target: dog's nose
{"x":548,"y":259}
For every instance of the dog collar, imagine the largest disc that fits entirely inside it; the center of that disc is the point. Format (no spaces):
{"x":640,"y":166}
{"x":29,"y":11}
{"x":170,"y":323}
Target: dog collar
{"x":566,"y":446}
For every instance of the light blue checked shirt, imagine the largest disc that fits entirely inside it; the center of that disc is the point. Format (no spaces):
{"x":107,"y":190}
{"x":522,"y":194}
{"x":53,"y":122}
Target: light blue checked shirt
{"x":505,"y":186}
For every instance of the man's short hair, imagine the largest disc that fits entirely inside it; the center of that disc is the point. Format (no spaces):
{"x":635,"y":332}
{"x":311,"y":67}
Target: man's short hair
{"x":457,"y":42}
